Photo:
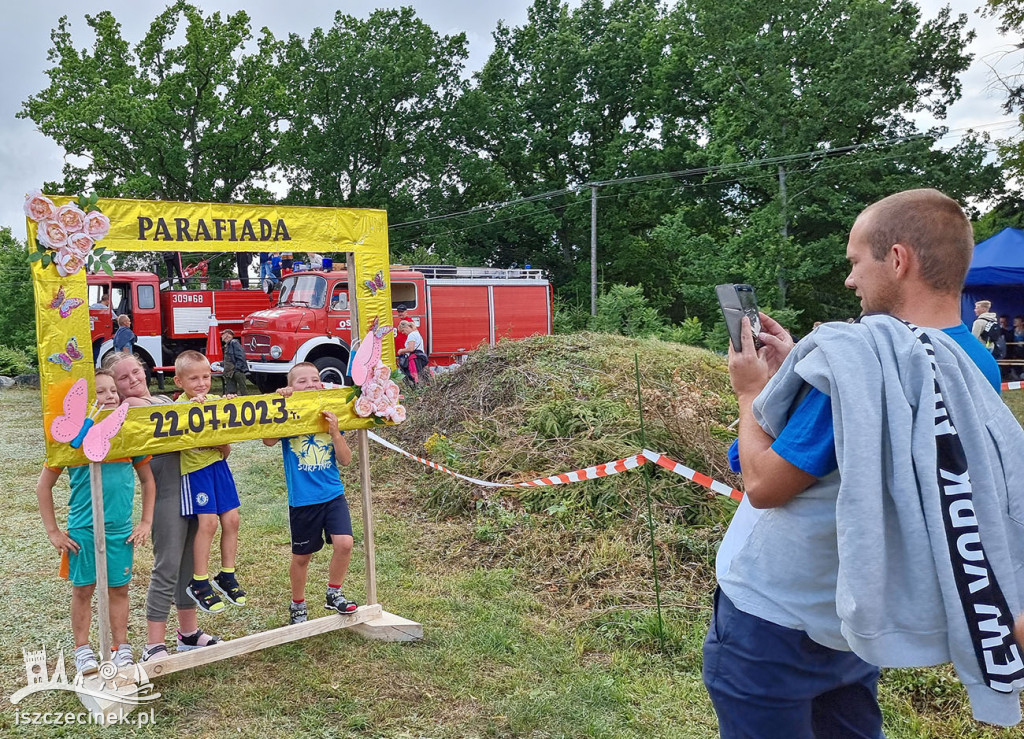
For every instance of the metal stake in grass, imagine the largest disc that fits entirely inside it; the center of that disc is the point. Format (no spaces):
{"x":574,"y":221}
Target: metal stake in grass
{"x":650,"y":515}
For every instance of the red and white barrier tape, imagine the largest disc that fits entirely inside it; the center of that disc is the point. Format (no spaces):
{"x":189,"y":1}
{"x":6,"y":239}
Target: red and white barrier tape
{"x":589,"y":473}
{"x":1013,"y":385}
{"x":698,"y":477}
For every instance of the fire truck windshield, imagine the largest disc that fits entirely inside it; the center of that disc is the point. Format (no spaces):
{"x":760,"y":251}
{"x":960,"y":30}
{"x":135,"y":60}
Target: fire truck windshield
{"x":306,"y":290}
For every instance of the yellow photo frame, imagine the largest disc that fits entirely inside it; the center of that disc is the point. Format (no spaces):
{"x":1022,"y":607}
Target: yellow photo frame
{"x":63,"y":327}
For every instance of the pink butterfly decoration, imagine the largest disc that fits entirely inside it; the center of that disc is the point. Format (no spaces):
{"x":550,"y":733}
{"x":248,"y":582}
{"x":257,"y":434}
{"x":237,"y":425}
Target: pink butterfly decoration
{"x":369,"y":351}
{"x":70,"y":354}
{"x":65,"y":305}
{"x":78,"y":425}
{"x":377,"y":283}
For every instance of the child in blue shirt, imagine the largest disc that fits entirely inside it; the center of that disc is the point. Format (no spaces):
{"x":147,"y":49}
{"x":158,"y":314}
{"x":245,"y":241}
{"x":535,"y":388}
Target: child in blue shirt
{"x":317,"y":509}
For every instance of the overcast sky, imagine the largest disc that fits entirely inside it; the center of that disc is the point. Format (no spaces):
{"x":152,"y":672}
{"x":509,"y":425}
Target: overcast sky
{"x":27,"y":158}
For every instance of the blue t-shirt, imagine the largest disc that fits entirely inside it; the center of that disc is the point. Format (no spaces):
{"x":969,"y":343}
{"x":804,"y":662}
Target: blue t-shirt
{"x":310,"y":469}
{"x":809,"y":441}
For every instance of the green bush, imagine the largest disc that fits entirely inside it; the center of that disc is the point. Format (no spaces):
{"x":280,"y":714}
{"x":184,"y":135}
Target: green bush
{"x":623,"y":309}
{"x":15,"y":361}
{"x":690,"y":332}
{"x":570,"y":316}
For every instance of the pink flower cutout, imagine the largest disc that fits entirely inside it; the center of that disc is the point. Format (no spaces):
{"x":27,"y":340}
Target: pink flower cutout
{"x":38,"y":207}
{"x":71,"y":217}
{"x":97,"y":225}
{"x":52,"y":234}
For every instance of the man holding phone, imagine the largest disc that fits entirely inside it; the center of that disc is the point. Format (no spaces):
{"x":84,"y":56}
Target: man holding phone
{"x":778,"y":659}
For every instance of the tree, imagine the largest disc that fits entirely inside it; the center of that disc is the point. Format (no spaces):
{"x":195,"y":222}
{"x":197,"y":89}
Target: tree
{"x":371,"y":125}
{"x":564,"y":100}
{"x":197,"y":121}
{"x":820,"y":94}
{"x":17,"y":309}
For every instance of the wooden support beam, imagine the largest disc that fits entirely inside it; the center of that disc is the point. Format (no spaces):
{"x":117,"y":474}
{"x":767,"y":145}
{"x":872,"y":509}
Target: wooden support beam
{"x":362,"y":443}
{"x":99,"y":535}
{"x":256,"y":642}
{"x":389,"y":627}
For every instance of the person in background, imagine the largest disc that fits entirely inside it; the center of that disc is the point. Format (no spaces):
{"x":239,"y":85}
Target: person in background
{"x":243,"y":260}
{"x":172,"y":261}
{"x":412,"y":358}
{"x":265,"y":271}
{"x":235,"y":364}
{"x":124,"y":337}
{"x":103,"y":304}
{"x":402,"y":312}
{"x":286,"y":261}
{"x":984,"y":317}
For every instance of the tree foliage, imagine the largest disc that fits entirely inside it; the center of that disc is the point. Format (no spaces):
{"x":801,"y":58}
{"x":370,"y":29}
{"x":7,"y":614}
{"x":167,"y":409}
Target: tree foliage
{"x":17,"y":309}
{"x":371,"y":123}
{"x":779,"y":121}
{"x":196,"y":121}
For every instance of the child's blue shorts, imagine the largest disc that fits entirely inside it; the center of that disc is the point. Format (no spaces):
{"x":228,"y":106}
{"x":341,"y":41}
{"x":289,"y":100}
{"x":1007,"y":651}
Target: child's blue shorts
{"x":209,"y":490}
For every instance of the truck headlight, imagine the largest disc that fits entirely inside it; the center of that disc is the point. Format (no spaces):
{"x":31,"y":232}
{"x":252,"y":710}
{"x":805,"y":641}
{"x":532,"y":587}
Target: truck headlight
{"x":276,"y":351}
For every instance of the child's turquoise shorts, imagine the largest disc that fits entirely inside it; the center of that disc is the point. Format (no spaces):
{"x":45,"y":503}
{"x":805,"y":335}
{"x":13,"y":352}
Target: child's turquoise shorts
{"x":120,"y":557}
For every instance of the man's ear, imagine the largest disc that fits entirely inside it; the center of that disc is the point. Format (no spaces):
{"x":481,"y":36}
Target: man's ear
{"x":903,"y":259}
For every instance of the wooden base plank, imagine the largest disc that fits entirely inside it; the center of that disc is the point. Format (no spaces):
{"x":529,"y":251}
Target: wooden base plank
{"x":389,"y":627}
{"x":262,"y":640}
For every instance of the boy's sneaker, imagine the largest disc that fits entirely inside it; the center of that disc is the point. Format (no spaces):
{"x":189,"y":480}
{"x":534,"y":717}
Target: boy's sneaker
{"x":336,"y":601}
{"x":193,"y":641}
{"x":85,"y":661}
{"x":228,"y":585}
{"x":157,"y":651}
{"x":297,"y":613}
{"x":122,"y":656}
{"x":202,"y":593}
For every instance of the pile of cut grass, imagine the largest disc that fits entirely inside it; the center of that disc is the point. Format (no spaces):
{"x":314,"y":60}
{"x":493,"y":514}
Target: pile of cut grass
{"x":551,"y":404}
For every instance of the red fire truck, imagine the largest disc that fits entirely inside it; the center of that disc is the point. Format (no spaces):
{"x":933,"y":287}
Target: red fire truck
{"x":165,"y":322}
{"x":456,"y":309}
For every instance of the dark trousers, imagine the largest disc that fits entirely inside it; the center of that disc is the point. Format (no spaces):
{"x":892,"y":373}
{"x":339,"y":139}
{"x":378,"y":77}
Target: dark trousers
{"x":235,"y":383}
{"x":768,"y":681}
{"x":172,"y":260}
{"x":242,"y":260}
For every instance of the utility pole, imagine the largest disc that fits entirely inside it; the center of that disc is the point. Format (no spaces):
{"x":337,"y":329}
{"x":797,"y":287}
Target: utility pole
{"x":593,"y":250}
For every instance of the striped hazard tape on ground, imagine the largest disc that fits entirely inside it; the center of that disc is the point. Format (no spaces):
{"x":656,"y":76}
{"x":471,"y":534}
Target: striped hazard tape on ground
{"x":588,"y":473}
{"x":1013,"y":385}
{"x":698,"y":477}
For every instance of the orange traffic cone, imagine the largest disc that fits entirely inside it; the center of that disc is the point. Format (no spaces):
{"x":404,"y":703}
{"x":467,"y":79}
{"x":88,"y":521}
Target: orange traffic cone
{"x":214,"y":353}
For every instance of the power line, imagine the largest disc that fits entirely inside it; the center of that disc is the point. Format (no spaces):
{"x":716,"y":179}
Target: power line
{"x":813,"y":154}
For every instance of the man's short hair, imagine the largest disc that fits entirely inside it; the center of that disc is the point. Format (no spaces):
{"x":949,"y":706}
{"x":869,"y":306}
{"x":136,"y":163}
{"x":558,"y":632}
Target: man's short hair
{"x":301,"y":365}
{"x":227,"y":331}
{"x":983,"y":304}
{"x":123,"y":320}
{"x":187,"y":358}
{"x":933,"y":226}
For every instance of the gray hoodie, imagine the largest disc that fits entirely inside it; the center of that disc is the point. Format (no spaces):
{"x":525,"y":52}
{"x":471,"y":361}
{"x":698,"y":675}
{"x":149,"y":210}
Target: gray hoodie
{"x":927,"y":542}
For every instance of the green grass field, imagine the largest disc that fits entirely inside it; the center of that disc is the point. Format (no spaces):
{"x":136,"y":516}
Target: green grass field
{"x":533,"y":627}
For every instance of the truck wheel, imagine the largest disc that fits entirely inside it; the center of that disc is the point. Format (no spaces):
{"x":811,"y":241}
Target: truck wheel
{"x":268,"y":383}
{"x":332,"y":370}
